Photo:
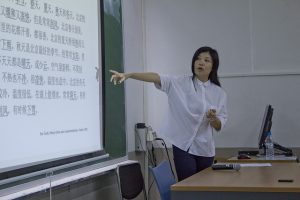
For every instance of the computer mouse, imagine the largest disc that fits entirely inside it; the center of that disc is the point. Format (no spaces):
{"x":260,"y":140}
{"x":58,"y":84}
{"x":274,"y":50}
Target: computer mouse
{"x":243,"y":156}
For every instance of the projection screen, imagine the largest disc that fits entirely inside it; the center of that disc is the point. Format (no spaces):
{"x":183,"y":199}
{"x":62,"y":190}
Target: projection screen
{"x":51,"y":81}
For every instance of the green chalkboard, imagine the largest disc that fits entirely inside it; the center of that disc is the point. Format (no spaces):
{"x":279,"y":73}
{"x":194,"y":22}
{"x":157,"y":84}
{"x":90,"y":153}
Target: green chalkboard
{"x":114,"y":98}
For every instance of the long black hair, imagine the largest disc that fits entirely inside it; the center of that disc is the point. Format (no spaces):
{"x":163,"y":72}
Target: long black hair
{"x":213,"y":76}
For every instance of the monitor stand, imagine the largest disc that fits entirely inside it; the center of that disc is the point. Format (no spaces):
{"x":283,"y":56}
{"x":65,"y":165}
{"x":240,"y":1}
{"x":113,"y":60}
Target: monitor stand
{"x":283,"y":150}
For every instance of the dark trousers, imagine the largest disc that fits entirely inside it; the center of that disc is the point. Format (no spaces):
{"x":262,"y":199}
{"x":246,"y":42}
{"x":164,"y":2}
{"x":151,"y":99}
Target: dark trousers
{"x":187,"y":164}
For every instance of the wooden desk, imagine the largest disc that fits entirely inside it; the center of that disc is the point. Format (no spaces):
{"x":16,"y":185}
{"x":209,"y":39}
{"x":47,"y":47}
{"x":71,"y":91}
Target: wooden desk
{"x":262,"y":159}
{"x":248,"y":183}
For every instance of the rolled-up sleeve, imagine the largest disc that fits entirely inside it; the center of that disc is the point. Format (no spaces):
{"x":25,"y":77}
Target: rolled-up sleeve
{"x":165,"y":83}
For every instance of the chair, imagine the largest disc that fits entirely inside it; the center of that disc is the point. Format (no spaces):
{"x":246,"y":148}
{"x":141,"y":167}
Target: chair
{"x":164,"y":178}
{"x":130,"y":180}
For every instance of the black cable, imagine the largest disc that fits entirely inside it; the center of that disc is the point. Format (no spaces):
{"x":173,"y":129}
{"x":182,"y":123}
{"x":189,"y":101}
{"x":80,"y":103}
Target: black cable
{"x":164,"y":144}
{"x":150,"y":157}
{"x":153,"y":155}
{"x":149,"y":189}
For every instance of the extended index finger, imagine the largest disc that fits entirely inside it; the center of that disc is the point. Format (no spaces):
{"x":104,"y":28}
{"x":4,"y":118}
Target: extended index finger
{"x":112,"y":78}
{"x":113,"y":71}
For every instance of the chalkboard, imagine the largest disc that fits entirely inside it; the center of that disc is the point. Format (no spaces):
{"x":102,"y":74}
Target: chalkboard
{"x":114,"y":98}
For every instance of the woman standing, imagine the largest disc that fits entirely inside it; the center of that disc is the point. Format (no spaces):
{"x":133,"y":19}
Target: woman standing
{"x":197,"y":105}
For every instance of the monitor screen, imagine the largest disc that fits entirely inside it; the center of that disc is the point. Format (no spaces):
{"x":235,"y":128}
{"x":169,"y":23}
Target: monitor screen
{"x":266,"y":126}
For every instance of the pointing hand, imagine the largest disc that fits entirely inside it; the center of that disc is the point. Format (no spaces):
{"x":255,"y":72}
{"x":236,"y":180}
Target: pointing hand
{"x":117,"y":77}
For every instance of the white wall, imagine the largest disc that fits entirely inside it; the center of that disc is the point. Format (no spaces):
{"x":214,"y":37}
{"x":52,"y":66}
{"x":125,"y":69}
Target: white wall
{"x":247,"y":98}
{"x":133,"y":61}
{"x":259,"y":52}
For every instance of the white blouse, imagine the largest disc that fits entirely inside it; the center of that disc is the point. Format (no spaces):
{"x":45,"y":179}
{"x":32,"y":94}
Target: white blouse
{"x":186,"y":125}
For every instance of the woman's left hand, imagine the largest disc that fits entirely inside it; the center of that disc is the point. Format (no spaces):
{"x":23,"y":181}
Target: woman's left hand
{"x":214,"y":121}
{"x":211,"y":114}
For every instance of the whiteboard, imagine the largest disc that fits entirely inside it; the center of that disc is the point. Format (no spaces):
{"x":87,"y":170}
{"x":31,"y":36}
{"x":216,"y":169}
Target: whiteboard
{"x":50,"y":87}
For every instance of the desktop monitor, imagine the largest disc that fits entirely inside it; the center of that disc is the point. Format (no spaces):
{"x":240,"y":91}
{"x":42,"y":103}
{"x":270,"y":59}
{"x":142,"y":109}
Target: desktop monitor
{"x":266,"y":126}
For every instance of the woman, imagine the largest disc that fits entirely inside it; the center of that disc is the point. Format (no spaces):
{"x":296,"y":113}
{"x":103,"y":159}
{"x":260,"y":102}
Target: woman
{"x":197,"y":105}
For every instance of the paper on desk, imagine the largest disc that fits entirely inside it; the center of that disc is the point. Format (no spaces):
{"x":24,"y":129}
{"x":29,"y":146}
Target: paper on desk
{"x":256,"y":165}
